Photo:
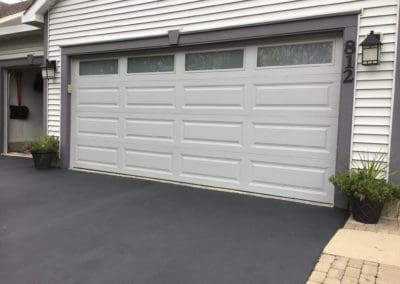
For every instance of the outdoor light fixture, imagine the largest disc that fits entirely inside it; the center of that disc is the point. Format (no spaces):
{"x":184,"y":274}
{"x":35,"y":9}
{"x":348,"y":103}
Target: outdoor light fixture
{"x":49,"y":70}
{"x":371,"y":48}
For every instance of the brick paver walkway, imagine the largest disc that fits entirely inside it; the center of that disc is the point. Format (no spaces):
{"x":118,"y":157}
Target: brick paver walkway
{"x":332,"y":269}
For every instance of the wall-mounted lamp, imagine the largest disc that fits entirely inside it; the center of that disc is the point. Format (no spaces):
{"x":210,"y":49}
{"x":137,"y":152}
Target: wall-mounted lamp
{"x":371,"y":48}
{"x":49,"y":70}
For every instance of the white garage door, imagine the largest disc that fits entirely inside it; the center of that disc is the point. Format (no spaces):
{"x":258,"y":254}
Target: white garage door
{"x":258,"y":118}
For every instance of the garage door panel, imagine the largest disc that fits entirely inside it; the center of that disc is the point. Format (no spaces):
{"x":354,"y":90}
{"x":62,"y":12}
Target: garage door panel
{"x":96,"y":126}
{"x":161,"y":130}
{"x":300,"y":156}
{"x":295,"y":176}
{"x":291,"y":136}
{"x":229,"y":76}
{"x":294,"y":119}
{"x":274,"y":156}
{"x":264,"y":130}
{"x":99,"y":97}
{"x":220,"y":169}
{"x":270,"y":114}
{"x":296,"y":74}
{"x":292,"y":95}
{"x":273,"y":115}
{"x":148,"y":163}
{"x":103,"y":158}
{"x":289,"y":192}
{"x":212,"y":132}
{"x":214,"y":97}
{"x":99,"y":142}
{"x":149,"y":79}
{"x":150,"y":97}
{"x":99,"y":80}
{"x":122,"y":143}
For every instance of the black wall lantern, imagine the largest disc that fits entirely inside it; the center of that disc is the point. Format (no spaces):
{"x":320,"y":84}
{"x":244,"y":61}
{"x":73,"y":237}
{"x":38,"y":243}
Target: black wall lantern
{"x":371,"y":48}
{"x":49,"y":70}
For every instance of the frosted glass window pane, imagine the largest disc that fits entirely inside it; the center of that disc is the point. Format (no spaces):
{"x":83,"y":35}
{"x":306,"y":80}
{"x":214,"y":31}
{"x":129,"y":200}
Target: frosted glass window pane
{"x":296,"y":54}
{"x":228,"y":59}
{"x":98,"y":67}
{"x":162,"y":63}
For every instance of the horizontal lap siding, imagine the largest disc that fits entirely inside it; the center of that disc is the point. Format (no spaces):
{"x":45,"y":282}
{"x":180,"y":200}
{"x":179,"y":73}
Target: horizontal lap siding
{"x":374,"y":86}
{"x":20,"y":48}
{"x":77,"y":22}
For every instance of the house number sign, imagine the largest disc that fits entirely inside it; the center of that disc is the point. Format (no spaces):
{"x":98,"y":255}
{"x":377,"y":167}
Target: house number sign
{"x":349,"y":50}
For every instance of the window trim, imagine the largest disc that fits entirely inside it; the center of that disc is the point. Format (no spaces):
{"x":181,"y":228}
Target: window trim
{"x":332,"y":63}
{"x":126,"y":59}
{"x":99,"y":59}
{"x":244,"y":49}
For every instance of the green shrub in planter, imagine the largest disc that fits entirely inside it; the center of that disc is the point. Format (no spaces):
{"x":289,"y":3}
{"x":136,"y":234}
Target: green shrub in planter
{"x":367,"y":188}
{"x":44,"y":150}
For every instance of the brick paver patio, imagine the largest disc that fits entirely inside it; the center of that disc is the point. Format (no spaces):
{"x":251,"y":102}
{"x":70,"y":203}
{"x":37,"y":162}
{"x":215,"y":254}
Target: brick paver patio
{"x":332,"y":269}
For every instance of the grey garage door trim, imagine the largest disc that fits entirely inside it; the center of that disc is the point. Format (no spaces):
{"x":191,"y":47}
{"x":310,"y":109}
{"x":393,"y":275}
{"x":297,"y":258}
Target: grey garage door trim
{"x":12,"y":63}
{"x":347,"y":24}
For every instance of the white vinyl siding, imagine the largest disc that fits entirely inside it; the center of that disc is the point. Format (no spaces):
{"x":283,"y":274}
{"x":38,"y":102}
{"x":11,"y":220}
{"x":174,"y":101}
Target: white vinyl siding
{"x":21,"y":47}
{"x":77,"y":22}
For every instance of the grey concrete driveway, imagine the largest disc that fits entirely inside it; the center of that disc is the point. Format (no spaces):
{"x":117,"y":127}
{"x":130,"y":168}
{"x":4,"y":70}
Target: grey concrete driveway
{"x":62,"y":226}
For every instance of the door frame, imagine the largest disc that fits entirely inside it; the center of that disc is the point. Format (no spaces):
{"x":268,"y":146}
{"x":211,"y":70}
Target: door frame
{"x":5,"y":65}
{"x":346,"y":24}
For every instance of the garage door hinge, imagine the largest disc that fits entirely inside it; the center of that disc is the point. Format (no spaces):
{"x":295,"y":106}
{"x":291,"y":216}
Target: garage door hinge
{"x":69,"y":89}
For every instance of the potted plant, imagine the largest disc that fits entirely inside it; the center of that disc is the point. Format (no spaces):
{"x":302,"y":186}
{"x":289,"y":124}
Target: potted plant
{"x":44,"y":151}
{"x":367,"y":188}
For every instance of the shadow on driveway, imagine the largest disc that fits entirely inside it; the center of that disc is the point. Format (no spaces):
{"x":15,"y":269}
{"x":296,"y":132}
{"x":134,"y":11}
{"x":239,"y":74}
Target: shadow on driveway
{"x":62,"y":226}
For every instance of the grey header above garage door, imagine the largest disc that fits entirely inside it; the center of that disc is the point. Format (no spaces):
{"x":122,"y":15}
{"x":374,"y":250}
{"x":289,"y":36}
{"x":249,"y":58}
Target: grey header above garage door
{"x":346,"y":24}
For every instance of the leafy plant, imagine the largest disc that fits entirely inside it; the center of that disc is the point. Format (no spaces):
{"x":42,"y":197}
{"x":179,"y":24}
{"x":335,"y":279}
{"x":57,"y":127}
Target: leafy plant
{"x":368,"y":180}
{"x":44,"y":145}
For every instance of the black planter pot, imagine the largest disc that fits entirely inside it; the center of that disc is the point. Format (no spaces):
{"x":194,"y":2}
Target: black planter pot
{"x":366,"y":211}
{"x":42,"y":160}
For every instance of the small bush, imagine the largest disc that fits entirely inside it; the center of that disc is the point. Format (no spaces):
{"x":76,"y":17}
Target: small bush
{"x":368,"y":181}
{"x":44,"y":145}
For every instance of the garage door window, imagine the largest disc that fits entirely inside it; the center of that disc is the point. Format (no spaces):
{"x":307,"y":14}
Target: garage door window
{"x":295,"y":54}
{"x":146,"y":64}
{"x":98,"y":67}
{"x":227,"y":59}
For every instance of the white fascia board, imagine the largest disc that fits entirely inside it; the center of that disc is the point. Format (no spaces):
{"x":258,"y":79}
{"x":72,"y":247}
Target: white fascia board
{"x":35,"y":14}
{"x":17,"y":29}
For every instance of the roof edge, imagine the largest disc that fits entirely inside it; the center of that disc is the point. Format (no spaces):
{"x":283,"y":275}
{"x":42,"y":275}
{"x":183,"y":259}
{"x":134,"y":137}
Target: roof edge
{"x":34,"y":15}
{"x":17,"y":30}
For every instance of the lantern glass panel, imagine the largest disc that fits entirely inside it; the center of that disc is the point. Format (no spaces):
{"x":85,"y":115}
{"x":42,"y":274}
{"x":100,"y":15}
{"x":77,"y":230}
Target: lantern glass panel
{"x":50,"y":73}
{"x":371,"y":54}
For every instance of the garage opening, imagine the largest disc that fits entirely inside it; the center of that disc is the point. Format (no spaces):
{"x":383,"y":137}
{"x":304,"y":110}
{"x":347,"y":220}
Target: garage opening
{"x":24,"y":89}
{"x":259,"y":117}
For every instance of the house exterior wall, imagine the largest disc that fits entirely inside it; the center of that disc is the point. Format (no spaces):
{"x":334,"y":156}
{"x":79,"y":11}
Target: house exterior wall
{"x":21,"y":47}
{"x":77,"y":22}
